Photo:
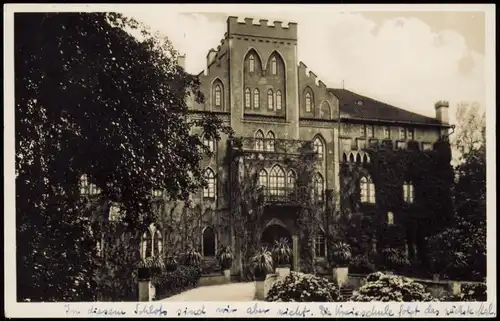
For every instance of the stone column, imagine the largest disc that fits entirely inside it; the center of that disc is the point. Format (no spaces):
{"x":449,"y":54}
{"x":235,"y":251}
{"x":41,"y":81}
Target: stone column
{"x":295,"y":245}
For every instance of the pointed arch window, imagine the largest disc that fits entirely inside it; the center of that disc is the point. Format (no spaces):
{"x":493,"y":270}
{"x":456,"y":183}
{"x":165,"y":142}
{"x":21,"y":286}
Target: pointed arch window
{"x":248,"y":98}
{"x":270,"y":141}
{"x":210,"y":143}
{"x":367,"y":190}
{"x":87,"y":188}
{"x":217,"y":96}
{"x":274,"y":66}
{"x":320,"y":245}
{"x":209,"y":242}
{"x":278,"y":100}
{"x":251,"y":63}
{"x":151,"y":242}
{"x":277,"y":181}
{"x":291,"y":179}
{"x":263,"y":178}
{"x":270,"y":99}
{"x":408,"y":192}
{"x":259,"y":140}
{"x":209,"y":190}
{"x":319,"y":147}
{"x":319,"y":186}
{"x":256,"y":99}
{"x":308,"y":102}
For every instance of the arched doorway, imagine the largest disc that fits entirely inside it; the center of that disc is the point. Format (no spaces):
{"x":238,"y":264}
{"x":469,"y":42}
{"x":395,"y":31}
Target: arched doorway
{"x":273,"y":233}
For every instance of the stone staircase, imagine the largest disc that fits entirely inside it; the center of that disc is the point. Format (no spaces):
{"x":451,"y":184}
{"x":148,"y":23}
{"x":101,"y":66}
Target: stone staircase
{"x":346,"y":293}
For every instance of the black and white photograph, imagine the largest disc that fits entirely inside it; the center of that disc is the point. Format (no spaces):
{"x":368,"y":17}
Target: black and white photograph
{"x":284,"y":153}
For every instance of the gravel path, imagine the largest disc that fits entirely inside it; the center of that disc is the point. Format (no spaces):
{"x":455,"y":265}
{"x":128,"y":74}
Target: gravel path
{"x":227,"y":292}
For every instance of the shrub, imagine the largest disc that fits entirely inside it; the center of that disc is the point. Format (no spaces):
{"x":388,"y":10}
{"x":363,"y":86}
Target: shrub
{"x":470,"y":292}
{"x":171,"y":263}
{"x":394,"y":259}
{"x":225,"y":257}
{"x":191,"y":257}
{"x":361,"y":264}
{"x":282,"y":251}
{"x":299,"y":287}
{"x":261,"y":262}
{"x":381,"y":287}
{"x":341,"y":253}
{"x":171,"y":283}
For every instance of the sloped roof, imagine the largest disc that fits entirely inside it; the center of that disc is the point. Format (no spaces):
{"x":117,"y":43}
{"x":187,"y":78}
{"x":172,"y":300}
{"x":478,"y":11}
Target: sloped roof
{"x":375,"y":110}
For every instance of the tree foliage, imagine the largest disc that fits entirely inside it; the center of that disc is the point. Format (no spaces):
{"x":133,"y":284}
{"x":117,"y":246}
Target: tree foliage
{"x":93,"y":99}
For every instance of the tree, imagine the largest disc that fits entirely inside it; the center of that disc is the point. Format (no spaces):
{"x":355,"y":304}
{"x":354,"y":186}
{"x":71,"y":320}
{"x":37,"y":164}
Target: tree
{"x":462,"y":247}
{"x":93,"y":99}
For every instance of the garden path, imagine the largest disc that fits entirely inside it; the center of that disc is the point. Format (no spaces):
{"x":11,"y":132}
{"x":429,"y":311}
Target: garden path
{"x":243,"y":291}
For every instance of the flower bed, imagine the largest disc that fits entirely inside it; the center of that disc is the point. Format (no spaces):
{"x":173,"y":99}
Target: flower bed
{"x":180,"y":280}
{"x":299,"y":287}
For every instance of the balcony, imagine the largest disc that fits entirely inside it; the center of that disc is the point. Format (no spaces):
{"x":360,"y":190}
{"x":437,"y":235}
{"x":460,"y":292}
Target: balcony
{"x":279,"y":146}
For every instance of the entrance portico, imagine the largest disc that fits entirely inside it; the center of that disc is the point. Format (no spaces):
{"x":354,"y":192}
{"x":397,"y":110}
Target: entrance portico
{"x":275,"y":229}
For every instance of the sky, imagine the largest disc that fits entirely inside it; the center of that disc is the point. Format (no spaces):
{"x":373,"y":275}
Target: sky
{"x":406,"y":58}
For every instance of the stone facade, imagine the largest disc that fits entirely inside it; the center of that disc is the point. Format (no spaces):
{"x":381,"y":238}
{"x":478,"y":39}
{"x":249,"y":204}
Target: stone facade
{"x":258,"y":62}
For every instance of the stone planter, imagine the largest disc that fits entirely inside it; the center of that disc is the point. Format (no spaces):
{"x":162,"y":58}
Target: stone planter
{"x":145,"y":294}
{"x":227,"y":275}
{"x":282,"y":271}
{"x":341,"y":275}
{"x":260,"y":290}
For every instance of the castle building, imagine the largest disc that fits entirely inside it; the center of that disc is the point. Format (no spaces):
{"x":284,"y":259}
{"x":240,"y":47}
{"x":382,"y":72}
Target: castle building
{"x":254,"y":82}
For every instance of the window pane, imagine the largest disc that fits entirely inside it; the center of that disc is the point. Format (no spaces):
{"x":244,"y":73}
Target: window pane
{"x":274,"y":68}
{"x":256,"y":98}
{"x":278,"y":100}
{"x":270,"y":100}
{"x":251,"y":63}
{"x":247,"y":98}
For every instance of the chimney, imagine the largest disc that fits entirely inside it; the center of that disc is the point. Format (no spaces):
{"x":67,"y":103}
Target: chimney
{"x":181,"y":61}
{"x":211,"y":56}
{"x":442,"y":111}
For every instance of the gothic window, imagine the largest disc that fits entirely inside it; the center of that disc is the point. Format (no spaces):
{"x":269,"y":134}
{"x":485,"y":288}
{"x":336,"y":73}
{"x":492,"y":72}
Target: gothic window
{"x":362,"y":131}
{"x":157,"y":192}
{"x":251,"y":63}
{"x":408,"y":192}
{"x":210,"y":143}
{"x":365,"y":159}
{"x":209,"y":190}
{"x":248,"y":100}
{"x":402,"y":133}
{"x":263,"y":178}
{"x":319,"y":186}
{"x":358,"y":159}
{"x":87,"y":188}
{"x":369,"y":131}
{"x":308,"y":102}
{"x":367,"y":190}
{"x":351,"y":158}
{"x":270,"y":100}
{"x":274,"y":66}
{"x":320,"y":245}
{"x":344,"y":157}
{"x":291,"y":179}
{"x":270,"y":141}
{"x":278,"y":100}
{"x":147,"y":246}
{"x":387,"y":133}
{"x":157,"y":243}
{"x":256,"y":99}
{"x":208,"y":242}
{"x":390,"y":218}
{"x":318,"y":147}
{"x":409,"y":133}
{"x":259,"y":140}
{"x":277,"y":181}
{"x":217,"y":96}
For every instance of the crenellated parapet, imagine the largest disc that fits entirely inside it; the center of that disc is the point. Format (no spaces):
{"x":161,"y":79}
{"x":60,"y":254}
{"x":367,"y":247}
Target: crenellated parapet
{"x":262,"y":29}
{"x":302,"y":68}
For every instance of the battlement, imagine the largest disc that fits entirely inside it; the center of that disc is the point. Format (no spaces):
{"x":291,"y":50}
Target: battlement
{"x":302,"y":68}
{"x":442,"y":103}
{"x":262,"y":29}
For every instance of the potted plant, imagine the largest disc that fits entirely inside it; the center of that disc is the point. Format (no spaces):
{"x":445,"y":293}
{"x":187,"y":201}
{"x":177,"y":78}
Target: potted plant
{"x":282,"y":253}
{"x":171,"y":263}
{"x":191,"y":257}
{"x":341,"y":257}
{"x":261,"y":264}
{"x":394,"y":259}
{"x":225,"y":257}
